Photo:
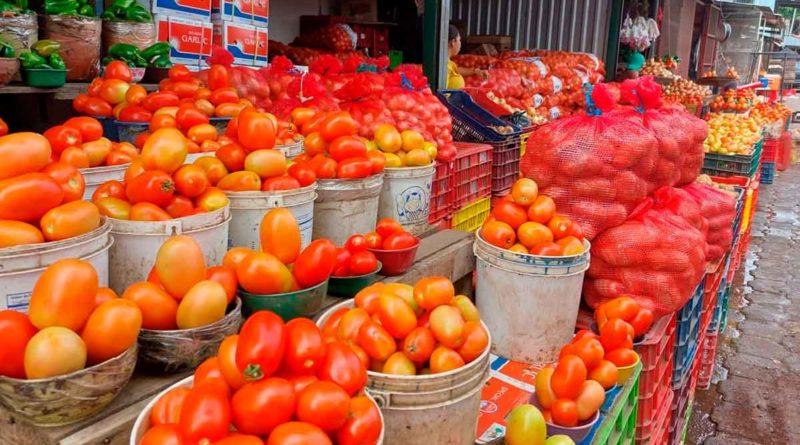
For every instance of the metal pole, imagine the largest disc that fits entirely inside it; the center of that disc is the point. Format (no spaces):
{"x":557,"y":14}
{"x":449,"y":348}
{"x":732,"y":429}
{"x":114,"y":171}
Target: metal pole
{"x":434,"y":49}
{"x":612,"y":48}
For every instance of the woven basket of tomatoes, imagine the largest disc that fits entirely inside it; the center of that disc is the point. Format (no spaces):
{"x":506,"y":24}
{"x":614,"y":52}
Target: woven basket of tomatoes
{"x":73,"y":352}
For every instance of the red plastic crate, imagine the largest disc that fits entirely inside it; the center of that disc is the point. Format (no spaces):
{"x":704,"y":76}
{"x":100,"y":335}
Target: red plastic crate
{"x":657,"y":432}
{"x":684,"y":394}
{"x":770,"y":151}
{"x":380,"y":42}
{"x":655,"y":354}
{"x":707,"y":360}
{"x":365,"y":35}
{"x":472,"y":173}
{"x":505,"y":167}
{"x":442,"y":193}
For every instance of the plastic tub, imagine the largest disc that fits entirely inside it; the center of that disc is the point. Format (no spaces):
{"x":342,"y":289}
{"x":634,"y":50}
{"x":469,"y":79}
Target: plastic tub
{"x":530,"y":303}
{"x":127,"y":131}
{"x":248,"y":208}
{"x":429,"y":409}
{"x":289,"y":305}
{"x":348,"y":287}
{"x":136,"y":243}
{"x":625,"y":372}
{"x":396,"y":262}
{"x":346,"y":206}
{"x":406,"y":196}
{"x":292,"y":151}
{"x":96,"y":176}
{"x":44,"y":78}
{"x":66,"y":399}
{"x":21,"y":266}
{"x":576,"y":433}
{"x":142,"y":423}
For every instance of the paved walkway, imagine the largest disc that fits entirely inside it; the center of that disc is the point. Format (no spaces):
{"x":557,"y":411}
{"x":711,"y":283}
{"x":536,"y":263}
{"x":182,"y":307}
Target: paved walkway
{"x":757,"y":397}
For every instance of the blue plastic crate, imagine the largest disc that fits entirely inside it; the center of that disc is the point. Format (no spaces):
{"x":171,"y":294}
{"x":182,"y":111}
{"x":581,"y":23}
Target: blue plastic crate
{"x":767,"y":173}
{"x":687,"y":334}
{"x":471,"y":122}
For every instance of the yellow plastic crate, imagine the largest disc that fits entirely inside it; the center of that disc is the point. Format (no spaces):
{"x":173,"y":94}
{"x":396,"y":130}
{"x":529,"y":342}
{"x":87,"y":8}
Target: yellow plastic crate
{"x":523,"y":142}
{"x":470,"y":218}
{"x":748,"y":206}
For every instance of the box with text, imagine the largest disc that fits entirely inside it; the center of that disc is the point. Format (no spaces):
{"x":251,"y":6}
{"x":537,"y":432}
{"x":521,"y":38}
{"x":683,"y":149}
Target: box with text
{"x":194,"y":9}
{"x":252,"y":12}
{"x":191,"y":40}
{"x":247,"y":43}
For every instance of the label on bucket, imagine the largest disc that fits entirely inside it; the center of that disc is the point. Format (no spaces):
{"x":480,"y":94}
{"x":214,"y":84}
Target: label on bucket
{"x":412,"y":204}
{"x":306,"y":222}
{"x":17,"y":302}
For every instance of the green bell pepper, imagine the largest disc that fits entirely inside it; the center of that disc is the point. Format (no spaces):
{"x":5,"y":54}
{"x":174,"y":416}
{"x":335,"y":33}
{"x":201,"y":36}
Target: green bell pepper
{"x":32,"y":61}
{"x":56,"y":62}
{"x":162,"y":62}
{"x":122,"y":5}
{"x":8,"y":7}
{"x":106,"y":60}
{"x":46,"y":47}
{"x":86,"y":11}
{"x":123,"y":51}
{"x":137,"y":13}
{"x":6,"y":50}
{"x":61,"y":7}
{"x":157,"y":50}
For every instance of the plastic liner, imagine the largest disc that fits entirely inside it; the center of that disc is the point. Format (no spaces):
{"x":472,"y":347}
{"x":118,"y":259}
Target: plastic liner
{"x":20,"y":31}
{"x":140,"y":35}
{"x":80,"y":43}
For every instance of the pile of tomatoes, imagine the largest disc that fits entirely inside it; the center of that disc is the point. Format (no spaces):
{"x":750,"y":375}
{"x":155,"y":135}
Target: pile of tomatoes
{"x":158,"y":186}
{"x":356,"y":257}
{"x":79,"y":142}
{"x":628,"y":310}
{"x":71,"y":323}
{"x":281,"y":266}
{"x":526,"y":222}
{"x":410,"y":330}
{"x":276,"y":384}
{"x":40,"y":200}
{"x":404,"y":149}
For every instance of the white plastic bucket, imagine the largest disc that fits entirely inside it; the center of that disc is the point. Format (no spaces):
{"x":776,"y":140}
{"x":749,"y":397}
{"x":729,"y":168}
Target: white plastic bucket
{"x":530,"y":303}
{"x":291,"y":151}
{"x":21,"y":266}
{"x":96,"y":176}
{"x":248,"y":208}
{"x":406,"y":196}
{"x":142,"y":423}
{"x":136,"y":243}
{"x":346,"y":206}
{"x":428,"y":409}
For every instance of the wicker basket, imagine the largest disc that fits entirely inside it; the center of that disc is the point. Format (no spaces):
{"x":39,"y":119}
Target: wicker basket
{"x":69,"y":398}
{"x":181,"y":349}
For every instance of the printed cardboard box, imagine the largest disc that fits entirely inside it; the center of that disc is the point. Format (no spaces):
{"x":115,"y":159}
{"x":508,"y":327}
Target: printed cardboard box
{"x":247,"y":43}
{"x":252,"y":12}
{"x":193,"y":9}
{"x":191,"y":39}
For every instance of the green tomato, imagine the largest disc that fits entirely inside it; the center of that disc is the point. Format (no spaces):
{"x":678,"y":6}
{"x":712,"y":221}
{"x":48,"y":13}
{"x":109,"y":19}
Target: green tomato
{"x":526,"y":426}
{"x":559,"y":439}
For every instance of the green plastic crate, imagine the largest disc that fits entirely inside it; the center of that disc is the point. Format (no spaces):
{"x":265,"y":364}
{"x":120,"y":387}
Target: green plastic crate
{"x":734,"y":165}
{"x":686,"y":421}
{"x":395,"y":58}
{"x":619,"y":425}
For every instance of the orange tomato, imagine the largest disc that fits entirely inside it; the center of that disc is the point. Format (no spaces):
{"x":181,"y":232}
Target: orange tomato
{"x":23,"y":153}
{"x":214,"y":168}
{"x":525,"y":191}
{"x":613,"y":333}
{"x":338,"y":124}
{"x":135,"y":94}
{"x":544,"y":390}
{"x":114,"y":207}
{"x":227,"y":362}
{"x":589,"y":350}
{"x":160,"y":121}
{"x":396,"y":315}
{"x":212,"y":199}
{"x":564,"y":413}
{"x":546,"y":249}
{"x":266,"y":163}
{"x":279,"y":235}
{"x":590,"y":399}
{"x":419,"y":344}
{"x":510,"y":213}
{"x":399,"y":364}
{"x":623,"y":307}
{"x":114,"y":189}
{"x":622,"y":357}
{"x":368,"y":298}
{"x":135,"y":169}
{"x":104,"y":294}
{"x":180,"y":265}
{"x":167,"y":409}
{"x":570,"y":246}
{"x":499,"y":234}
{"x":15,"y":233}
{"x":351,"y":323}
{"x":376,"y":341}
{"x":157,"y":306}
{"x":569,"y":375}
{"x":444,"y":359}
{"x":605,"y":373}
{"x":165,"y":150}
{"x":111,"y":329}
{"x":240,"y":181}
{"x":533,"y":233}
{"x":97,"y":151}
{"x":64,"y":295}
{"x":190,"y":180}
{"x":262,"y":273}
{"x":225,"y":276}
{"x":201,"y":133}
{"x":75,"y":157}
{"x":113,"y":91}
{"x":70,"y":220}
{"x":202,"y":305}
{"x":447,"y":326}
{"x":27,"y":197}
{"x":256,"y":130}
{"x":235,"y":256}
{"x":542,"y":209}
{"x":476,"y":340}
{"x":519,"y":248}
{"x":467,"y":308}
{"x":431,"y":292}
{"x":641,"y":322}
{"x":561,"y":226}
{"x":54,"y":351}
{"x":315,"y":144}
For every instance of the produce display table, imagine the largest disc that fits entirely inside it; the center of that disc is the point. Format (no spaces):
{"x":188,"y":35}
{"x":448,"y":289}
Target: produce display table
{"x":66,"y":92}
{"x":447,"y":253}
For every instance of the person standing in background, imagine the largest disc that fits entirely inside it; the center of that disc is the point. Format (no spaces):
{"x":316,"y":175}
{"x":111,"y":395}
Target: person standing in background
{"x":455,"y":74}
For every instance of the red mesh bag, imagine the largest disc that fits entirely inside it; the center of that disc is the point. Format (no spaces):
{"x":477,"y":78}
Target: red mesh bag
{"x":332,"y":38}
{"x":656,"y":257}
{"x":595,"y":167}
{"x":719,"y":209}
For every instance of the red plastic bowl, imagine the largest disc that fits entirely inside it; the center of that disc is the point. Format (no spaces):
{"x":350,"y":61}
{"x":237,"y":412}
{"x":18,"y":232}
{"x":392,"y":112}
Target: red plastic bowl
{"x":396,"y":262}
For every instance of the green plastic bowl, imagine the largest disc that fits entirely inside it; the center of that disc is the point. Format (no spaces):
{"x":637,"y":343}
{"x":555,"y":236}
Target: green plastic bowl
{"x":302,"y":303}
{"x":348,"y":287}
{"x":44,"y":78}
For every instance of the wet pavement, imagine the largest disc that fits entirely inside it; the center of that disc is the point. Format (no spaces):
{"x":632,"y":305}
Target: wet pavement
{"x":755,"y":393}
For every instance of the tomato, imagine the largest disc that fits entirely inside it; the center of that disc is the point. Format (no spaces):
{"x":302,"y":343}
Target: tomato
{"x":232,"y":157}
{"x":280,"y":183}
{"x":111,"y":329}
{"x":69,"y":178}
{"x":323,"y":404}
{"x":218,"y":77}
{"x":444,"y":359}
{"x":343,"y":367}
{"x":235,"y":256}
{"x":90,"y":128}
{"x":498,"y":233}
{"x":97,"y":151}
{"x":613,"y":333}
{"x":202,"y":305}
{"x":158,"y":308}
{"x":510,"y":213}
{"x":570,"y":246}
{"x":542,"y":209}
{"x":623,"y":307}
{"x":135,"y":94}
{"x":155,"y":101}
{"x":240,"y":439}
{"x":590,"y":399}
{"x":590,"y":351}
{"x":641,"y":322}
{"x":261,"y":345}
{"x":118,"y":158}
{"x":526,"y":426}
{"x":546,"y":249}
{"x":210,"y":370}
{"x":179,"y":73}
{"x":476,"y":341}
{"x":561,"y":226}
{"x":314,"y":144}
{"x":305,"y":349}
{"x":212,"y":199}
{"x":135,"y":169}
{"x":324,"y":167}
{"x":399,"y":241}
{"x":213,"y":168}
{"x":162,"y":121}
{"x":226,"y":277}
{"x":104,"y":294}
{"x":166,"y":434}
{"x":62,"y":137}
{"x":279,"y":235}
{"x":304,"y":175}
{"x":165,"y":150}
{"x":118,"y":69}
{"x":356,"y":243}
{"x":27,"y":197}
{"x":189,"y":116}
{"x":223,"y":95}
{"x":313,"y":124}
{"x":396,"y":315}
{"x":75,"y":157}
{"x":544,"y":389}
{"x":226,"y":109}
{"x":351,"y":168}
{"x":362,"y":263}
{"x":418,"y":345}
{"x":145,"y":211}
{"x":78,"y":104}
{"x":185,"y":90}
{"x":54,"y":351}
{"x":331,"y":325}
{"x":263,"y":273}
{"x":135,"y":113}
{"x":23,"y":153}
{"x":15,"y":233}
{"x":351,"y":323}
{"x":524,"y":192}
{"x":564,"y":412}
{"x":399,"y":364}
{"x":315,"y":263}
{"x":202,"y":134}
{"x":378,"y":161}
{"x":190,"y":180}
{"x":301,"y":115}
{"x":605,"y":373}
{"x":376,"y":341}
{"x":113,"y":91}
{"x":347,"y":147}
{"x":180,"y":265}
{"x":338,"y":124}
{"x":151,"y":186}
{"x":167,"y":409}
{"x":533,"y":233}
{"x":180,"y":206}
{"x":256,"y":130}
{"x":373,"y":240}
{"x":266,"y":163}
{"x":431,"y":292}
{"x":16,"y":330}
{"x":363,"y":425}
{"x":298,"y":433}
{"x":70,"y":220}
{"x":99,"y":107}
{"x":569,"y":375}
{"x":206,"y":413}
{"x":64,"y":295}
{"x":622,"y":357}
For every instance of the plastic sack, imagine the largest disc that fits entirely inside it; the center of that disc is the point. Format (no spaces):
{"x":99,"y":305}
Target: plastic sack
{"x":80,"y":43}
{"x":656,"y":257}
{"x":719,"y":209}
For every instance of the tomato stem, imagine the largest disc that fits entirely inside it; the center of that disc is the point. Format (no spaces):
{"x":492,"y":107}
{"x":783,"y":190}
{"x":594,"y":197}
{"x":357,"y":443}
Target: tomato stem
{"x":253,"y":372}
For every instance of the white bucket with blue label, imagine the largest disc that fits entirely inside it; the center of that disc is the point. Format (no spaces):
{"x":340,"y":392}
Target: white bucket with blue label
{"x":249,"y":208}
{"x":406,"y":196}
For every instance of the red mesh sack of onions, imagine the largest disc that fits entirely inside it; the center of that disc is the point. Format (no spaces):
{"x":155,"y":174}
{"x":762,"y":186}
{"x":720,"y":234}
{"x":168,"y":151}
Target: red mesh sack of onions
{"x":656,"y":257}
{"x":594,"y":166}
{"x":719,"y":209}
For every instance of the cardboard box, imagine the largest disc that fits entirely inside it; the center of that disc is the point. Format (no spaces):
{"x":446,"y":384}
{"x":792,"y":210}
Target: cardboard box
{"x":252,"y":12}
{"x":192,"y":9}
{"x":500,"y":42}
{"x":191,"y":39}
{"x":247,"y":43}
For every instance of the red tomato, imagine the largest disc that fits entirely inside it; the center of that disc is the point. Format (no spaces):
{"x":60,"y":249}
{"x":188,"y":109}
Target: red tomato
{"x":324,"y":404}
{"x":256,"y":130}
{"x":356,"y":243}
{"x":152,"y":186}
{"x":568,"y":377}
{"x":343,"y":367}
{"x":261,"y":345}
{"x":376,"y":341}
{"x":206,"y":413}
{"x":16,"y":330}
{"x":188,"y":116}
{"x":315,"y":263}
{"x":561,"y":226}
{"x":259,"y":407}
{"x":331,"y":325}
{"x":498,"y":233}
{"x":546,"y":249}
{"x":564,"y":412}
{"x":69,"y":178}
{"x":373,"y":240}
{"x":378,"y":161}
{"x":280,"y":183}
{"x":180,"y":73}
{"x":351,"y":323}
{"x":135,"y":94}
{"x":167,"y":409}
{"x":396,"y":315}
{"x":510,"y":213}
{"x":227,"y":362}
{"x":641,"y":322}
{"x":418,"y":345}
{"x":180,"y":206}
{"x":223,"y":96}
{"x":191,"y":180}
{"x":28,"y":197}
{"x":98,"y":107}
{"x":168,"y":434}
{"x":210,"y":369}
{"x":622,"y":357}
{"x":362,"y":263}
{"x":363,"y":424}
{"x":476,"y":340}
{"x":342,"y":268}
{"x":444,"y":359}
{"x":118,"y":70}
{"x":232,"y":156}
{"x":305,"y":349}
{"x":613,"y":333}
{"x":62,"y":137}
{"x":351,"y":168}
{"x":133,"y":113}
{"x":226,"y":277}
{"x":298,"y":433}
{"x":338,"y":124}
{"x":399,"y":241}
{"x":113,"y":91}
{"x":240,"y":439}
{"x":305,"y":175}
{"x":388,"y":226}
{"x":347,"y":147}
{"x":432,"y":292}
{"x":218,"y":77}
{"x":156,"y":101}
{"x":146,"y":211}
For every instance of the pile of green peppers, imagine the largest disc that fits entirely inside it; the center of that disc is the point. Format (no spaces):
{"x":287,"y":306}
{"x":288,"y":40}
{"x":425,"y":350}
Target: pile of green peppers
{"x":156,"y":55}
{"x":127,"y":10}
{"x":6,"y":50}
{"x":43,"y":56}
{"x":68,"y":7}
{"x":13,"y":7}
